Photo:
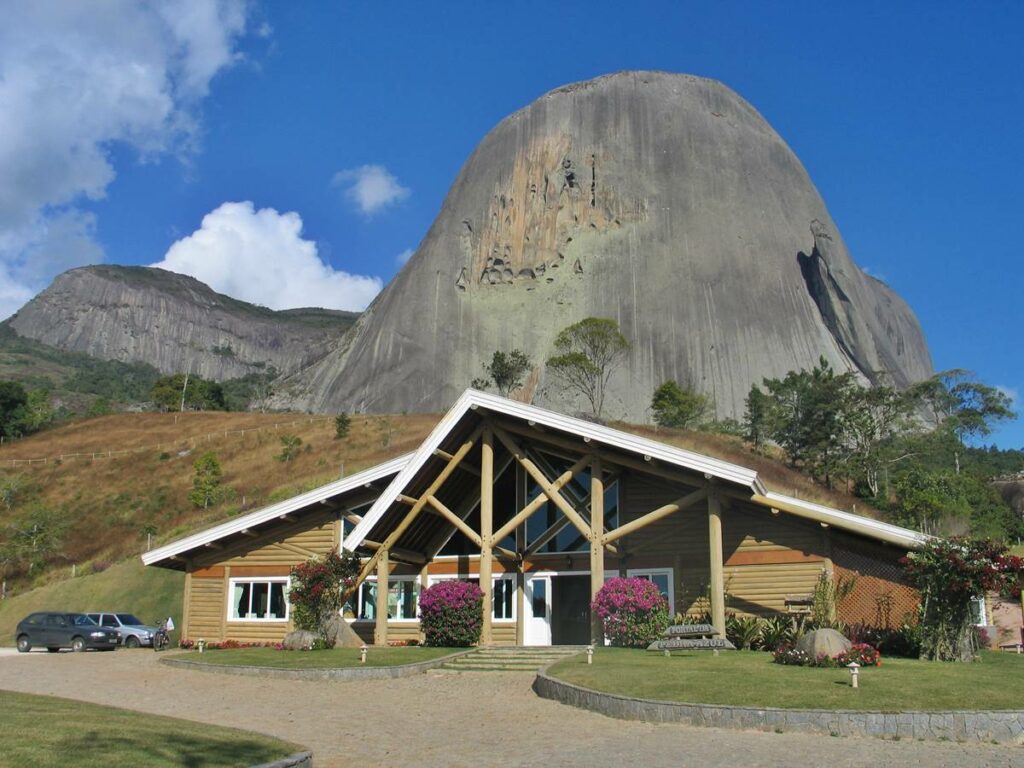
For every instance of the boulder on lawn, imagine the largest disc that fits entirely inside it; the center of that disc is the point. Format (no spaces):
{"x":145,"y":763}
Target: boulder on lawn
{"x":343,"y":634}
{"x":299,"y":640}
{"x":826,"y":642}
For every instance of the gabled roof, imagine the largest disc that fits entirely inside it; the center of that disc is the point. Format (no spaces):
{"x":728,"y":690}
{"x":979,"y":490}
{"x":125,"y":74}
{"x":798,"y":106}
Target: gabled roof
{"x":473,"y":400}
{"x":665,"y":455}
{"x":274,"y":512}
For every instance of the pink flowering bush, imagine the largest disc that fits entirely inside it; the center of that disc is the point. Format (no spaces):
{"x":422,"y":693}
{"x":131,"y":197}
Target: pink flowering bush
{"x":634,"y":613}
{"x":451,"y":614}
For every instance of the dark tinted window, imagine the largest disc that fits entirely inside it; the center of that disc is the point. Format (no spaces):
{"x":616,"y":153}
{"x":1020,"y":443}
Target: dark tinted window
{"x":35,"y":619}
{"x":81,"y":620}
{"x":56,"y":620}
{"x":109,"y":620}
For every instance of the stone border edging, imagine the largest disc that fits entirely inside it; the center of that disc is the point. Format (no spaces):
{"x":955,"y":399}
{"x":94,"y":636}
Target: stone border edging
{"x":329,"y":673}
{"x":1002,"y":727}
{"x":297,"y":760}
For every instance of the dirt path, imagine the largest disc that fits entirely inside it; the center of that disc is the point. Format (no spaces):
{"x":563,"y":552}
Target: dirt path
{"x":450,"y":720}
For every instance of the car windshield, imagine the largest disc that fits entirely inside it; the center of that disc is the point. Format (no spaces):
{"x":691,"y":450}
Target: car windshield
{"x":81,"y":620}
{"x":130,"y":619}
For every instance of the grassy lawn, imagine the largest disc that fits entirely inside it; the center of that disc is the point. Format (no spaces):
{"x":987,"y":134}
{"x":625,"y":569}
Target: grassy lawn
{"x":333,"y":659}
{"x":751,"y":678}
{"x":43,"y":731}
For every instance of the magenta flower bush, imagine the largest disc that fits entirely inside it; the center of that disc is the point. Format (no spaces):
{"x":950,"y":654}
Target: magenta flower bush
{"x":634,"y":613}
{"x":451,"y":614}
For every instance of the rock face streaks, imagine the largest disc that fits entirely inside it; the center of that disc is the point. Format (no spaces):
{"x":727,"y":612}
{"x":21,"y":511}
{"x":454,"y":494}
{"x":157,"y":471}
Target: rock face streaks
{"x":663,"y":201}
{"x":173,"y":322}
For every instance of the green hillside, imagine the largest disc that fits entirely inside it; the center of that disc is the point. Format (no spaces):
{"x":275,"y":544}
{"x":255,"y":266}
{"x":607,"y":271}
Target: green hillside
{"x":149,"y":593}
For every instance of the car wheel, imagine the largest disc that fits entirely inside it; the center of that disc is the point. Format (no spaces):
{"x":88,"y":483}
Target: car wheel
{"x":24,"y":644}
{"x":131,"y":642}
{"x":53,"y":650}
{"x":77,"y":644}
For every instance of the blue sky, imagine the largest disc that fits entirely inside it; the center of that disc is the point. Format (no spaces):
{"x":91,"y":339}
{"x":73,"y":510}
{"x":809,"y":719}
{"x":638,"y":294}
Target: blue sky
{"x":354,"y":118}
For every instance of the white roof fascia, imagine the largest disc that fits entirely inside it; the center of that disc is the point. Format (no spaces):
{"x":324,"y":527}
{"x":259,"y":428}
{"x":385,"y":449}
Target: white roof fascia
{"x":849,"y":521}
{"x":274,"y":511}
{"x":473,"y":399}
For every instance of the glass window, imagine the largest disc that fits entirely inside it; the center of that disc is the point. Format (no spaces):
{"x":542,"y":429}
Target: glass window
{"x":259,"y":600}
{"x":502,"y":599}
{"x":403,"y":599}
{"x":108,"y":620}
{"x":978,"y":611}
{"x":540,"y":598}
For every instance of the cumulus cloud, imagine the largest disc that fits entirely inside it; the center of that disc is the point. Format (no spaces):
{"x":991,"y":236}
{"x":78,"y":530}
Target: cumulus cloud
{"x":404,"y":257}
{"x":370,"y":188}
{"x":76,"y":80}
{"x":260,"y":256}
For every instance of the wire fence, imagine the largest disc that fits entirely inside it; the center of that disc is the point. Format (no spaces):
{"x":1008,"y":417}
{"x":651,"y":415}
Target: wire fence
{"x":167,"y":445}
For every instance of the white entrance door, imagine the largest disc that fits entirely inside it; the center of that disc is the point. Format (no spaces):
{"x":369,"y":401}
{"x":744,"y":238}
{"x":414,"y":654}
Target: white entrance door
{"x":538,"y":611}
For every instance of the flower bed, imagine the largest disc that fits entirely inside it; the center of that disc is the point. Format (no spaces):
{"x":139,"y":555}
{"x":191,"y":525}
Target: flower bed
{"x":861,"y":653}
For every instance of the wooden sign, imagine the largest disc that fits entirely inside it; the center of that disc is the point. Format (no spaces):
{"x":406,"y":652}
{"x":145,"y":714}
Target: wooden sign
{"x":691,"y":630}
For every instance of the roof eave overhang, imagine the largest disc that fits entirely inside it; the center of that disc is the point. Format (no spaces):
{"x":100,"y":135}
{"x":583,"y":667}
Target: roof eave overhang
{"x":173,"y":555}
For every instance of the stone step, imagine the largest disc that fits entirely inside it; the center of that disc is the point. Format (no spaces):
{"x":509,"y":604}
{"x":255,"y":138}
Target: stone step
{"x":470,"y":661}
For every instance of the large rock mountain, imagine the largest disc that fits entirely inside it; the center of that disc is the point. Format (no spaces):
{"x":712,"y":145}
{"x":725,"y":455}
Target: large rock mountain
{"x":663,"y":201}
{"x":173,"y":322}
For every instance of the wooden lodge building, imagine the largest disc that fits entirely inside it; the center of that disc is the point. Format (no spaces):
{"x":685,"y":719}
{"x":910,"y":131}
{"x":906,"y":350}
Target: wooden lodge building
{"x":539,"y":509}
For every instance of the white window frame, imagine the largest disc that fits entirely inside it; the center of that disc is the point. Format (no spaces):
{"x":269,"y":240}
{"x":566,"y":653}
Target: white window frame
{"x":511,"y":577}
{"x":233,"y":582}
{"x":391,"y":580}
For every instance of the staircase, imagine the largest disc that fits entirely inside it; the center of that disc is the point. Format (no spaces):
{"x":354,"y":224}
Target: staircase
{"x":510,"y":658}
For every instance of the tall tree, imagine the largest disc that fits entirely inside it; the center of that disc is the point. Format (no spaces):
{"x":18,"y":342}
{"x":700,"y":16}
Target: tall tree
{"x":967,"y":408}
{"x":588,"y":353}
{"x":505,"y":371}
{"x":13,"y":403}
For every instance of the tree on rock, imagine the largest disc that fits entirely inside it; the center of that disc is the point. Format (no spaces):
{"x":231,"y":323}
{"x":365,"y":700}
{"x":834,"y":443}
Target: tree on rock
{"x":589,"y":352}
{"x":677,"y":406}
{"x":505,"y":371}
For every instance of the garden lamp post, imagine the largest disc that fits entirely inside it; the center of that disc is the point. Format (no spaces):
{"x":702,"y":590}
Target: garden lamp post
{"x":362,"y":653}
{"x":854,"y":668}
{"x":590,"y":654}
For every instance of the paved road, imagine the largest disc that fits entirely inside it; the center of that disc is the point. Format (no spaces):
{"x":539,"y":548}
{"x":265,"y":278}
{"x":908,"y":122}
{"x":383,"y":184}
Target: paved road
{"x":472,"y":720}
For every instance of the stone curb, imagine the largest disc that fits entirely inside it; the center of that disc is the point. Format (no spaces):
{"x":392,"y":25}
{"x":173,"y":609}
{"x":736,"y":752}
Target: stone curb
{"x":297,"y":760}
{"x":337,"y":673}
{"x":1003,"y":727}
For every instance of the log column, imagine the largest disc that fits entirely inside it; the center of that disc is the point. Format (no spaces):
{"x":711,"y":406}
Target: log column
{"x":717,"y":566}
{"x":486,"y":530}
{"x":424,"y":583}
{"x":380,"y":629}
{"x":520,"y":564}
{"x":596,"y":546}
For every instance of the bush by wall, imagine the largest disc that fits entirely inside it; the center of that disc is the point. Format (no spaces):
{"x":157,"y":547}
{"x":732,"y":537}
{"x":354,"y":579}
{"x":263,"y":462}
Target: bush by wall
{"x":634,"y":613}
{"x":451,"y":614}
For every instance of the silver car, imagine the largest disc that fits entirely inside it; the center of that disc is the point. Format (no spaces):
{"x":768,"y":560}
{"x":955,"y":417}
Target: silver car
{"x":134,"y":633}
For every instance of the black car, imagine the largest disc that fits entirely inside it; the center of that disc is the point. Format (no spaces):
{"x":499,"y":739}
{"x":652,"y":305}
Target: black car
{"x":54,"y":631}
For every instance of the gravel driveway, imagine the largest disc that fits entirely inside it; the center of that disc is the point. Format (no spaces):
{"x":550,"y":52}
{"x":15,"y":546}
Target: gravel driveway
{"x":439,"y":719}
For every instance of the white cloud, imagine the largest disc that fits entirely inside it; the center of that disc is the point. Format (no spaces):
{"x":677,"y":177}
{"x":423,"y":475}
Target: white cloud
{"x":404,"y":256}
{"x":261,"y":257}
{"x":77,"y":79}
{"x":370,"y":187}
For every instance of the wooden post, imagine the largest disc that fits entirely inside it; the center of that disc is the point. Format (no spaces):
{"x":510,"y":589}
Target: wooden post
{"x":226,"y":605}
{"x":486,"y":530}
{"x":520,"y":564}
{"x":424,"y":583}
{"x":380,"y":629}
{"x":596,"y":546}
{"x":186,"y":607}
{"x":717,"y":567}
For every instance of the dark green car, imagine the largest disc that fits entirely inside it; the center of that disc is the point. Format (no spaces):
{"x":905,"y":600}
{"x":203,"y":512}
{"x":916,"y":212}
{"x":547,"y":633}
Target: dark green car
{"x":53,"y":631}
